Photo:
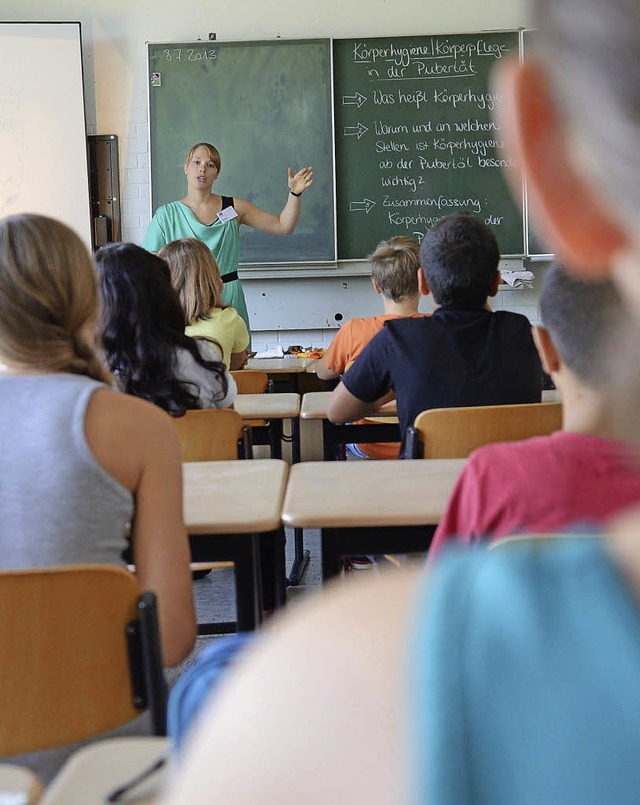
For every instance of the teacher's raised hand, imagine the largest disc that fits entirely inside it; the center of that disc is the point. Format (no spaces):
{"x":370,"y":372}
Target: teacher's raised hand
{"x":300,"y":181}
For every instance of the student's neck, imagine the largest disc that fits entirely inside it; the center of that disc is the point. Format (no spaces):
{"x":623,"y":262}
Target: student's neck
{"x":406,"y":307}
{"x":584,"y":410}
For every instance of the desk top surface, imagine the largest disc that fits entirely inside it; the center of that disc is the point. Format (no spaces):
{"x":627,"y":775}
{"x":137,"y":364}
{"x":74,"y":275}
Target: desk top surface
{"x":267,"y":406}
{"x":369,"y":493}
{"x":314,"y":406}
{"x":233,"y":497}
{"x":280,"y":365}
{"x":94,"y":771}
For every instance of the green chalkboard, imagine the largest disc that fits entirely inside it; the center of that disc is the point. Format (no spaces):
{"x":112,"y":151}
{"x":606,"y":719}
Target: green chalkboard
{"x":265,"y":106}
{"x":415,"y":137}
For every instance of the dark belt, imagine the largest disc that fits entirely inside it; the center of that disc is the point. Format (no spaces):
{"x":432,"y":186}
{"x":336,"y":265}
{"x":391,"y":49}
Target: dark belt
{"x":233,"y":275}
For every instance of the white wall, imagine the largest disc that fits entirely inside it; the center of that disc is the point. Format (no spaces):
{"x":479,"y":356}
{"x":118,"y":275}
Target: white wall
{"x":115,"y":33}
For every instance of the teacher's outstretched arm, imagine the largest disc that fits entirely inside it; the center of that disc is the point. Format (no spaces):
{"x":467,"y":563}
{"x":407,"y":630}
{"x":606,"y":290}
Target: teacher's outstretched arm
{"x":282,"y":224}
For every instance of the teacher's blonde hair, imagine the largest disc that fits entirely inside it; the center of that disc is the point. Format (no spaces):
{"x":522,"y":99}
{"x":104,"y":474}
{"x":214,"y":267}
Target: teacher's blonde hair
{"x":48,"y":298}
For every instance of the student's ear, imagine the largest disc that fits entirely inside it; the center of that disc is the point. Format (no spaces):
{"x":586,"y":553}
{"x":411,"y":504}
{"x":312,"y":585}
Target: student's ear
{"x":568,"y":211}
{"x":547,"y":351}
{"x":376,"y":287}
{"x":423,"y":285}
{"x":496,"y":285}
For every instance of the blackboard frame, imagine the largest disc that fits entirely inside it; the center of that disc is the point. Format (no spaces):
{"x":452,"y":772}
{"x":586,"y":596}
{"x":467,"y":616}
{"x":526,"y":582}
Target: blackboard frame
{"x":529,"y":247}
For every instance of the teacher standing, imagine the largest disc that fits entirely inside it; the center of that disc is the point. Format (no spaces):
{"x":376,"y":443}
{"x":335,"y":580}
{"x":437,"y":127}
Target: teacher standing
{"x":216,"y":220}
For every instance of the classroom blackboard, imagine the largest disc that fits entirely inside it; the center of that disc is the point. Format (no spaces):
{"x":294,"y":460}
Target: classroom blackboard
{"x":415,"y":138}
{"x":265,"y":106}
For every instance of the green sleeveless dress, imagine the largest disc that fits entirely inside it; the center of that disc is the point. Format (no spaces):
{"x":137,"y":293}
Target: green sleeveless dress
{"x":175,"y":220}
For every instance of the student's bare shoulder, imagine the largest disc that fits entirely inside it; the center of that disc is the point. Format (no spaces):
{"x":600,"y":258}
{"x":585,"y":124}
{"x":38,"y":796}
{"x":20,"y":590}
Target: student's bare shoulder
{"x":124,"y":417}
{"x":129,"y":436}
{"x":117,"y":402}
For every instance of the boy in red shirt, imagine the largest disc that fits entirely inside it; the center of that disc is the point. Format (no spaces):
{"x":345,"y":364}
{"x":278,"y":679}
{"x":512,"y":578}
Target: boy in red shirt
{"x":581,"y":474}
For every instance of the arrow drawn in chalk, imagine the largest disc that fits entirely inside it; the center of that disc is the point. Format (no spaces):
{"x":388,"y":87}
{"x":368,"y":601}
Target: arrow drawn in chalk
{"x":356,"y":99}
{"x":359,"y":206}
{"x":355,"y":131}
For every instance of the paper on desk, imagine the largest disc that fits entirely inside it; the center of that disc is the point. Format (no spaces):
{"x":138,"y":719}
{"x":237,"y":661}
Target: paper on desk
{"x":518,"y":279}
{"x":272,"y":352}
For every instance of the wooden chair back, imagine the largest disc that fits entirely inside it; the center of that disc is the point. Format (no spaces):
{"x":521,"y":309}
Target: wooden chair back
{"x":540,"y":541}
{"x":456,"y":432}
{"x":251,"y":381}
{"x":80,"y":654}
{"x":213,"y":434}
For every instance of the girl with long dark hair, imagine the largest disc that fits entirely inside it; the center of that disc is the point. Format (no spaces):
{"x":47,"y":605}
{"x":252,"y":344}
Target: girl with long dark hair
{"x":141,"y":331}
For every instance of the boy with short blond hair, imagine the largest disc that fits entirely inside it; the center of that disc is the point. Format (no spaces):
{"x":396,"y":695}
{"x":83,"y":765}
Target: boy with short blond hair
{"x":395,"y":264}
{"x":463,"y":354}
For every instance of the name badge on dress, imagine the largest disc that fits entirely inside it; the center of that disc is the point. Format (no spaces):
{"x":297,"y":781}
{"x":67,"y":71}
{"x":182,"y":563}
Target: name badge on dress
{"x":228,"y":214}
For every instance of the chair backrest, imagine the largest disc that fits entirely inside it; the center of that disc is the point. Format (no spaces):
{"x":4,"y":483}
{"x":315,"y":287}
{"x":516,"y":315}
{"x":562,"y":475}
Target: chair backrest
{"x":251,"y":381}
{"x":80,"y":654}
{"x":541,"y":541}
{"x":213,"y":434}
{"x":456,"y":432}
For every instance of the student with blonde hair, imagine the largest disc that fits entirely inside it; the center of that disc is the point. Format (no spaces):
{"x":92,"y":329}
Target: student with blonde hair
{"x":394,"y":275}
{"x":463,"y":354}
{"x":196,"y":278}
{"x":79,"y":461}
{"x":395,"y":264}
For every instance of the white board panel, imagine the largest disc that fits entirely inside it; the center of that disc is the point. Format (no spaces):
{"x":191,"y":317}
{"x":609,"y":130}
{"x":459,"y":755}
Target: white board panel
{"x":43,"y":152}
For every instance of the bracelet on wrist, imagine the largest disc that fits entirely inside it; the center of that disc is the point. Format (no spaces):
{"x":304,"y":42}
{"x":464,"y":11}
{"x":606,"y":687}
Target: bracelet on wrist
{"x":297,"y":195}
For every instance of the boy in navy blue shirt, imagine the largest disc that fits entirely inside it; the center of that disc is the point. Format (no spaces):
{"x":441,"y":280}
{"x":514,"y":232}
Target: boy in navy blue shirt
{"x":464,"y":354}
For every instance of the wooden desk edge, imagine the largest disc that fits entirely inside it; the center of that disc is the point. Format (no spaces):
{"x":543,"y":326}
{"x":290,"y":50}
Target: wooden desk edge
{"x":325,"y":521}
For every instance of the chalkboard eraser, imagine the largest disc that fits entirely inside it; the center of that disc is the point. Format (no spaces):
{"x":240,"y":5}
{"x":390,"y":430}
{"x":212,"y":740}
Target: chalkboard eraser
{"x":212,"y":36}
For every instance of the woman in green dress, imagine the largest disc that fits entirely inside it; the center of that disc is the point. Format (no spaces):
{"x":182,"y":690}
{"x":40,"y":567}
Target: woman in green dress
{"x":216,"y":220}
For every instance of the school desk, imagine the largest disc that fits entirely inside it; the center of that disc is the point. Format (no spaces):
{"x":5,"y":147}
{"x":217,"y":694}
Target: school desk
{"x":96,"y":771}
{"x":369,"y":507}
{"x":228,"y":507}
{"x":314,"y":406}
{"x":274,"y":408}
{"x":285,"y":372}
{"x":19,"y":785}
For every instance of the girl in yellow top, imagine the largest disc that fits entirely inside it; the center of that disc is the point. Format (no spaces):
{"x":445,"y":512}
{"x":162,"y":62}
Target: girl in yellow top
{"x":196,"y":278}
